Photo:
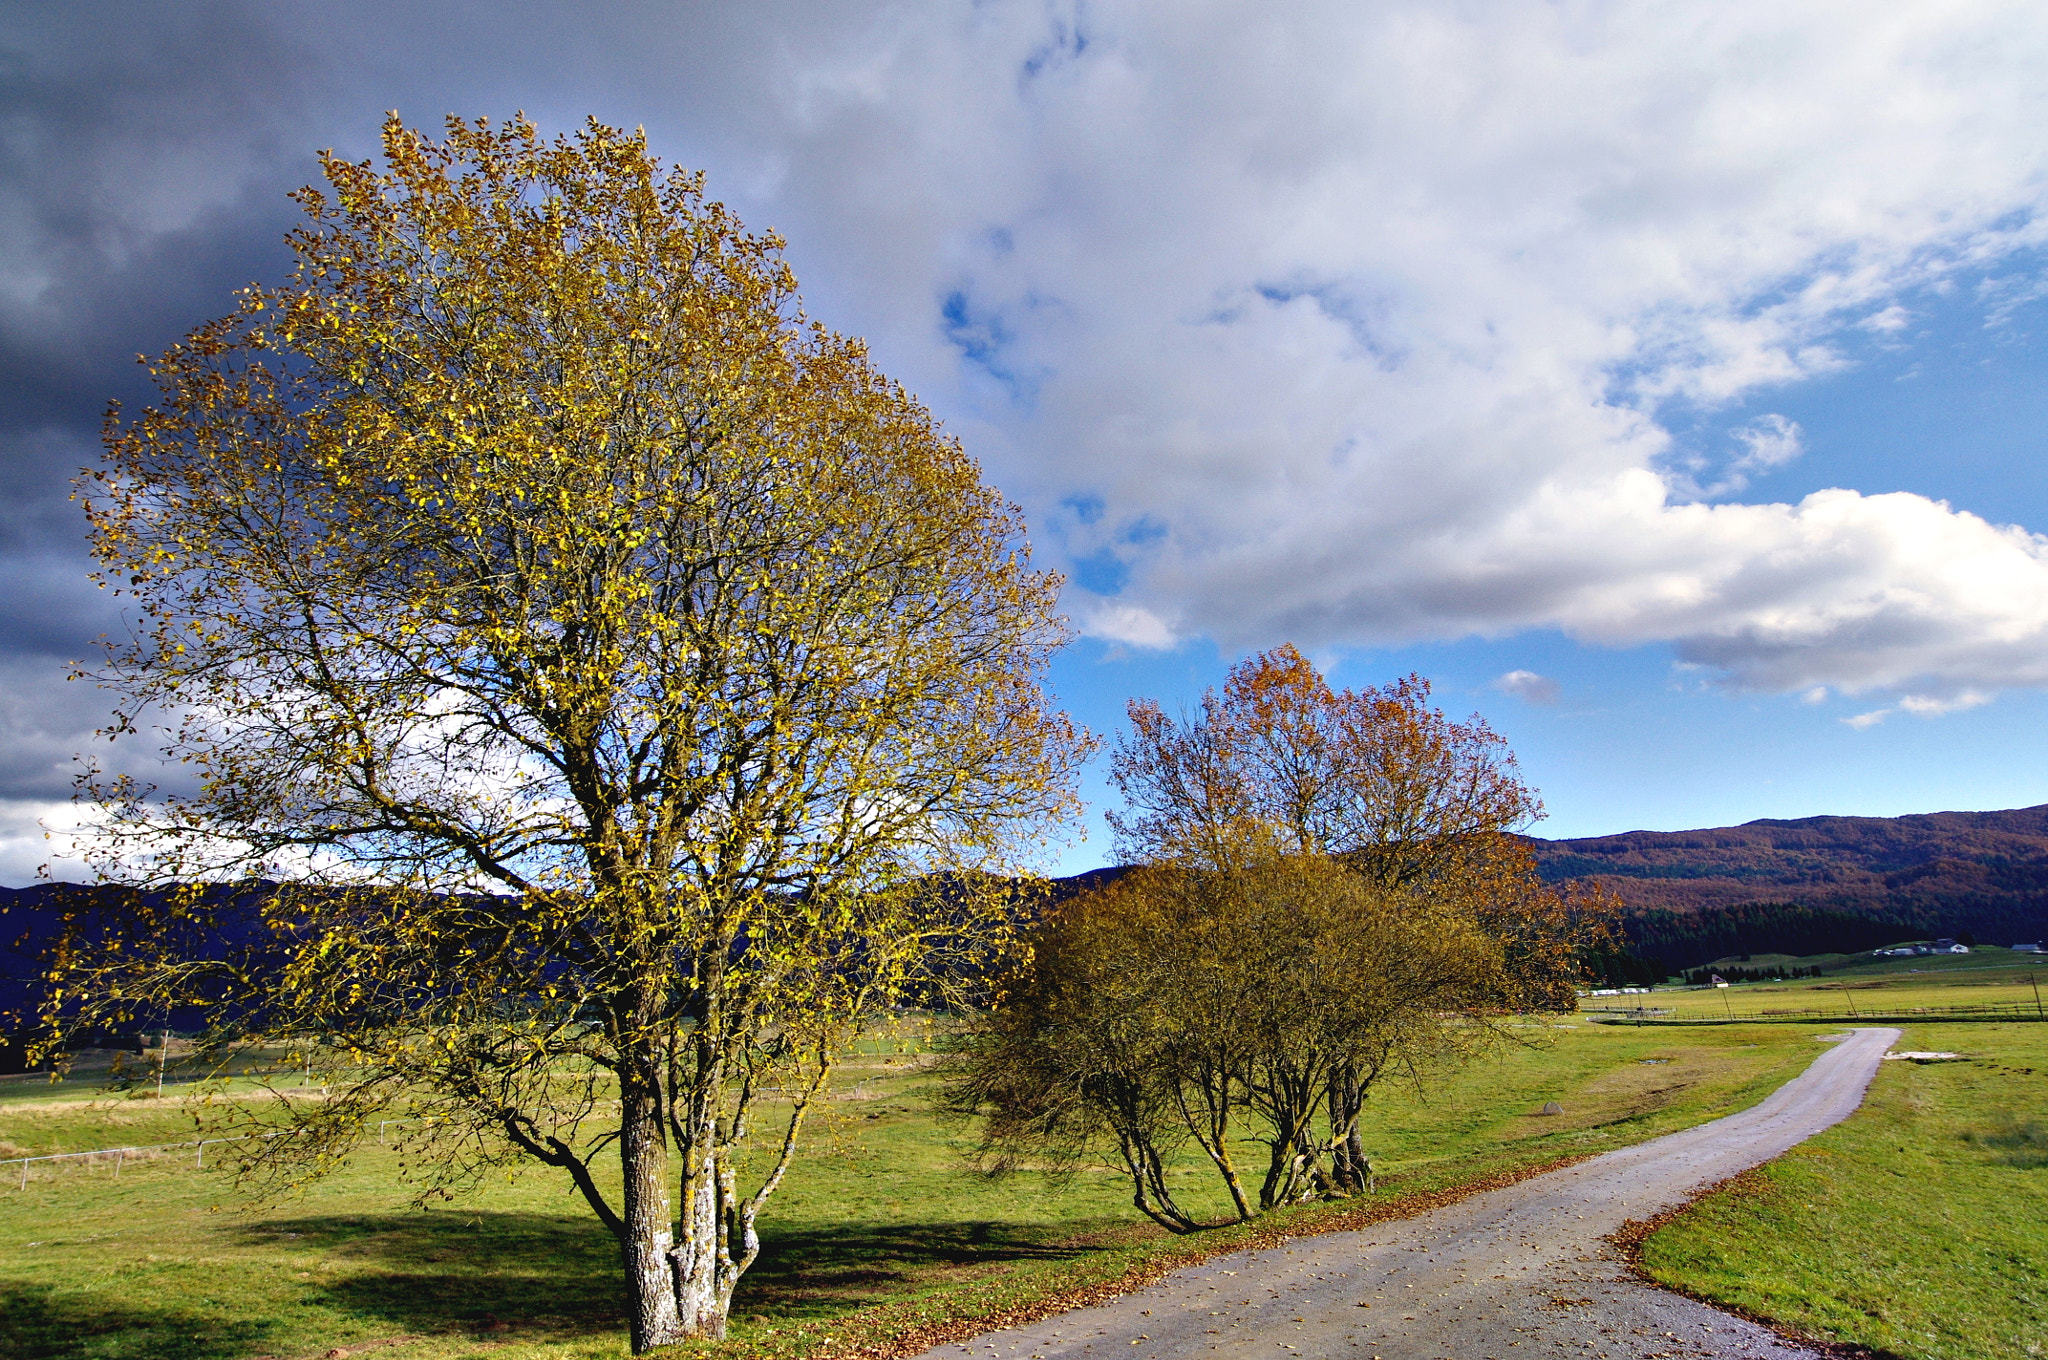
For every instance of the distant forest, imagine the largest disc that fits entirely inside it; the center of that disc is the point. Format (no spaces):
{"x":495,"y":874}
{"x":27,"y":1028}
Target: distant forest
{"x":1816,"y":885}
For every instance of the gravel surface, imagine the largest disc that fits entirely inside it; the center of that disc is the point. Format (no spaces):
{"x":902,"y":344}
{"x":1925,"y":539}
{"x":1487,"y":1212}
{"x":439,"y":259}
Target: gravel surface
{"x":1512,"y":1273}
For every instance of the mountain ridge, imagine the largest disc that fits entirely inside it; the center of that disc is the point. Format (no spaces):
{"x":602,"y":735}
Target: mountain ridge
{"x":1793,"y":884}
{"x":1808,"y":885}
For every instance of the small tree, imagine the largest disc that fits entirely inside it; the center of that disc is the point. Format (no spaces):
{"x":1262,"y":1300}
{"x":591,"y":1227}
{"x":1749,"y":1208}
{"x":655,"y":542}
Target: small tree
{"x":1282,"y":763}
{"x":1188,"y":1005}
{"x":602,"y":659}
{"x":1375,"y":777}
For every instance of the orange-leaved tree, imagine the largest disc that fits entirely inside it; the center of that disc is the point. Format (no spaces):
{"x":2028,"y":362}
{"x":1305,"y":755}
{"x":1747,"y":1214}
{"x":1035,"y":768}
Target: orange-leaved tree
{"x":1377,"y":777}
{"x":602,"y":663}
{"x":1379,"y":780}
{"x":1182,"y":1005}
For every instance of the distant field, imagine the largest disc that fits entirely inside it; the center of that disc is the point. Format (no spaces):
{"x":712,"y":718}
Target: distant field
{"x":1982,"y":958}
{"x":1919,"y":1227}
{"x":881,"y":1227}
{"x":1857,"y":986}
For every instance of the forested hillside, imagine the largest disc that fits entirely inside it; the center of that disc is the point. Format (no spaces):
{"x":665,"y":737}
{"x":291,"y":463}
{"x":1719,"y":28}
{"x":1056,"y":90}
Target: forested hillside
{"x":1819,"y":884}
{"x":1816,"y":885}
{"x":32,"y":920}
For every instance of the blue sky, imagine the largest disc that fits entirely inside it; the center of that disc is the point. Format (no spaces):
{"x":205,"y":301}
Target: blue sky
{"x":1631,"y":745}
{"x":1953,"y":406}
{"x":1681,"y":360}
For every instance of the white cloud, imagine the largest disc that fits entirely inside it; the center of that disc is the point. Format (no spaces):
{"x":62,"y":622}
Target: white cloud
{"x":1339,"y":323}
{"x":1932,"y":706}
{"x":1768,"y":442}
{"x":1816,"y":695}
{"x":45,"y":840}
{"x":1360,"y":316}
{"x":1123,"y":623}
{"x":1529,"y":686}
{"x":1764,"y":444}
{"x":1922,"y":706}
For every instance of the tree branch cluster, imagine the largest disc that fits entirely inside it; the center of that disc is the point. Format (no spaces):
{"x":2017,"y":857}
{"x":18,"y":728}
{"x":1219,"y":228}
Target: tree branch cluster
{"x":1330,"y":893}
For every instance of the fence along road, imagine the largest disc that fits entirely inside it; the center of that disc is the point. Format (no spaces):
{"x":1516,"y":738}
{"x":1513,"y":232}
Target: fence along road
{"x":121,"y":1154}
{"x":1525,"y":1267}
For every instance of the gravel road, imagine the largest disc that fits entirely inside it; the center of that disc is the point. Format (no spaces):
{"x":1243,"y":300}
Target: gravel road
{"x":1518,"y":1272}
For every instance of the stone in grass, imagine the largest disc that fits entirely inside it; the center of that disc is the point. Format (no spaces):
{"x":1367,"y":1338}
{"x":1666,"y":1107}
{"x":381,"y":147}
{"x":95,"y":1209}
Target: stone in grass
{"x":1551,"y":1107}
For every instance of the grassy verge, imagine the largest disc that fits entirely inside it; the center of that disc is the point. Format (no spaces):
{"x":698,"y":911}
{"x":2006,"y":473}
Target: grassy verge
{"x":1858,"y":987}
{"x":1917,"y":1228}
{"x":879,"y":1238}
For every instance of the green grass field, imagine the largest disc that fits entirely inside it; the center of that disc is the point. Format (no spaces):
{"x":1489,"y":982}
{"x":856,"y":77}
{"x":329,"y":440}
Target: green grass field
{"x":1917,"y":1228}
{"x":1856,"y":987}
{"x":880,"y":1230}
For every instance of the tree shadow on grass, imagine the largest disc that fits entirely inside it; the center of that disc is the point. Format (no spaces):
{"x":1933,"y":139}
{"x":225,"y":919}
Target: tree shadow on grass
{"x":537,"y":1275}
{"x":455,"y":1272}
{"x":2021,"y":1145}
{"x":41,"y":1323}
{"x":824,"y":1272}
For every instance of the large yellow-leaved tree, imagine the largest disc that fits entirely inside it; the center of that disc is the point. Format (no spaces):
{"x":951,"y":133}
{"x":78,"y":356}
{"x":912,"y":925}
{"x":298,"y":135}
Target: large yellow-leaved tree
{"x":603,"y":663}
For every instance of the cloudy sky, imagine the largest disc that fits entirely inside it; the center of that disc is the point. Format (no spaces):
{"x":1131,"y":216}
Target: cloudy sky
{"x":1664,"y":380}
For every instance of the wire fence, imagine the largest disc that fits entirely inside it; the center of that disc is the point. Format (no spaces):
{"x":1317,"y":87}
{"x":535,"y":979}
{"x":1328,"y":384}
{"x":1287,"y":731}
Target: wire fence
{"x":1984,"y":1010}
{"x":116,"y":1079}
{"x":120,"y":1155}
{"x":123,"y":1084}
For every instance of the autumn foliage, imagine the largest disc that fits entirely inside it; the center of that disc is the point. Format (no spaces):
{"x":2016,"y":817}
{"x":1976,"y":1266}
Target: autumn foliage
{"x":1330,"y":894}
{"x":597,"y":655}
{"x":1409,"y":800}
{"x":1377,"y":777}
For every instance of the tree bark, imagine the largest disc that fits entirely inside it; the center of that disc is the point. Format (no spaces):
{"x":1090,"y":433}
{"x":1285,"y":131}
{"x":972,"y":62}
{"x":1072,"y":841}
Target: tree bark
{"x":1212,"y":1131}
{"x":1149,"y":1192}
{"x":648,"y":1243}
{"x":704,"y":1276}
{"x":1349,"y":1169}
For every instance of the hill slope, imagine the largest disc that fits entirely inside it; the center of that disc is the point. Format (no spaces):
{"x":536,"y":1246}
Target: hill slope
{"x":1815,"y":885}
{"x":1819,"y":883}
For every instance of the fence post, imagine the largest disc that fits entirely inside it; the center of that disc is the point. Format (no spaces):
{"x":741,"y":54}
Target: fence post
{"x":24,"y":1173}
{"x":120,"y":1156}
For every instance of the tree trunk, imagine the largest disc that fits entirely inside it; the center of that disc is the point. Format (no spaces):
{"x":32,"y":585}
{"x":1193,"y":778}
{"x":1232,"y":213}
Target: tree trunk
{"x":1149,"y":1192}
{"x":704,"y":1275}
{"x":1292,"y":1099}
{"x":1349,"y":1169}
{"x":1211,"y":1129}
{"x":649,"y":1241}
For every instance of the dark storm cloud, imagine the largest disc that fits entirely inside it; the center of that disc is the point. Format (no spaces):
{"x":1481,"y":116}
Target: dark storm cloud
{"x":141,"y":154}
{"x":141,"y":171}
{"x":146,"y":154}
{"x":145,"y":151}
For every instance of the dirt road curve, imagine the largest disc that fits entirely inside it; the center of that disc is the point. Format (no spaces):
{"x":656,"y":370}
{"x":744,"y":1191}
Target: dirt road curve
{"x":1509,"y":1275}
